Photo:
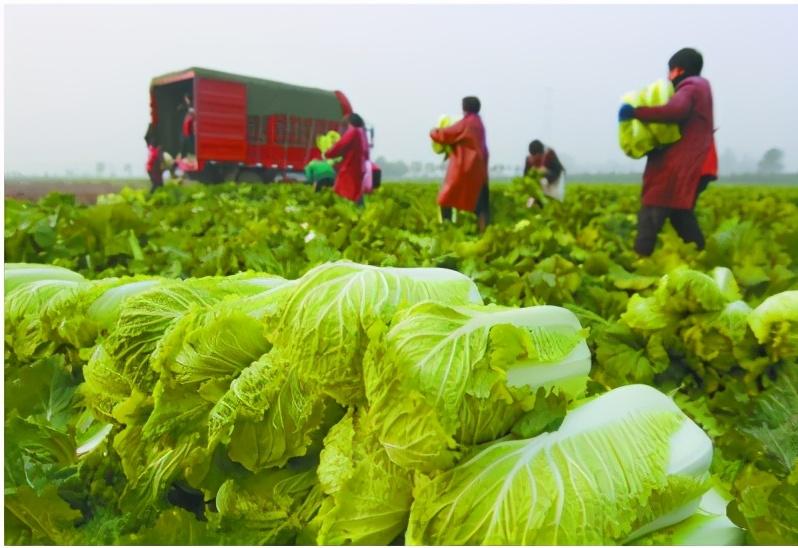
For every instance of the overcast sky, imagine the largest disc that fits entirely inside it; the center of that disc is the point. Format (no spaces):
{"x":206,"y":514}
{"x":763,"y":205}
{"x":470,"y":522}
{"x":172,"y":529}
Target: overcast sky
{"x":77,"y":77}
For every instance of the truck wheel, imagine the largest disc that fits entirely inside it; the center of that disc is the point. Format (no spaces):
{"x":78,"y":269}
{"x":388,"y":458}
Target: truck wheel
{"x":268,"y":175}
{"x":211,"y":174}
{"x":249,"y":175}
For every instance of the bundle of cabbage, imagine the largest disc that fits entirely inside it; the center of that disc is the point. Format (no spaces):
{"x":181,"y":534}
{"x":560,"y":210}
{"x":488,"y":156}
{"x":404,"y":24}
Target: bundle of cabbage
{"x":47,"y":305}
{"x":620,"y":467}
{"x":445,"y":378}
{"x":438,"y":148}
{"x":441,"y":379}
{"x":277,"y":404}
{"x":325,"y":142}
{"x":639,"y":138}
{"x":681,"y":292}
{"x":775,"y":324}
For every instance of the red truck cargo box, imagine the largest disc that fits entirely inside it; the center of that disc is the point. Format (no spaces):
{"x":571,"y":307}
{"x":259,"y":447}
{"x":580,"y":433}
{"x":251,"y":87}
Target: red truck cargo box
{"x":222,"y":124}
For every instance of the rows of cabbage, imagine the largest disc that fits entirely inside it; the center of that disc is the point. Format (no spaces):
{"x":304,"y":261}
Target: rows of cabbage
{"x":649,"y":321}
{"x":359,"y":404}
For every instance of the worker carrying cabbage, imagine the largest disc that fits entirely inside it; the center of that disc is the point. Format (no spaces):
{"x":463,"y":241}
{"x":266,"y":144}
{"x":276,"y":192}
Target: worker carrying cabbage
{"x":157,"y":161}
{"x":352,"y":148}
{"x":675,"y":173}
{"x":187,"y":127}
{"x":544,"y":161}
{"x":465,"y":186}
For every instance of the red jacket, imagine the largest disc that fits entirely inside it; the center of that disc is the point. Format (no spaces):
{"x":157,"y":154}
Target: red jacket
{"x":710,"y":167}
{"x":153,"y":159}
{"x":549,"y":160}
{"x":672,"y":173}
{"x":468,"y":163}
{"x":352,"y":147}
{"x":188,"y":124}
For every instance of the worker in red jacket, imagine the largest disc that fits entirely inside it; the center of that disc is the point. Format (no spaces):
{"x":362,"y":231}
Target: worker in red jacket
{"x":674,"y":173}
{"x":154,"y":163}
{"x":187,"y":134}
{"x":352,"y":148}
{"x":466,"y":184}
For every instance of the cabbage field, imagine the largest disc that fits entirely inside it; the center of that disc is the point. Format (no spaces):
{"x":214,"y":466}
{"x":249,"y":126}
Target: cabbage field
{"x":262,"y":364}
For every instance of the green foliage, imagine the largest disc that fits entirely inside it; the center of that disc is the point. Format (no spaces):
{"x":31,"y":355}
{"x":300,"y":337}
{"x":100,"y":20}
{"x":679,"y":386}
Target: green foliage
{"x":154,"y":395}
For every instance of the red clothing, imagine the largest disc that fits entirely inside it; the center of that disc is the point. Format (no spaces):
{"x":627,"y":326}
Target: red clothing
{"x":468,"y":163}
{"x":349,"y":180}
{"x":153,"y":158}
{"x":710,"y":167}
{"x":154,"y":165}
{"x":549,"y":160}
{"x":188,"y":124}
{"x":673,"y":173}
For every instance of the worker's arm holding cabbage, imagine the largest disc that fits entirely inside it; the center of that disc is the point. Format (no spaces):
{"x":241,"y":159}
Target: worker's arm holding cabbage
{"x":342,"y":145}
{"x":450,"y":135}
{"x":676,"y":110}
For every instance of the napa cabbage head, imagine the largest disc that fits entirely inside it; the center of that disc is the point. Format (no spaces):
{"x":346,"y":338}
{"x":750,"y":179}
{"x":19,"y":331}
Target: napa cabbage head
{"x":26,"y":334}
{"x":217,"y":342}
{"x":685,"y":290}
{"x":128,"y":356}
{"x":681,"y":292}
{"x":16,"y":274}
{"x":620,"y":466}
{"x":638,"y":138}
{"x":269,"y":414}
{"x":266,"y":507}
{"x":443,"y":121}
{"x":367,"y":497}
{"x":331,"y":308}
{"x":446,"y":376}
{"x":92,"y":310}
{"x":719,"y":339}
{"x":707,"y":526}
{"x":775,"y":324}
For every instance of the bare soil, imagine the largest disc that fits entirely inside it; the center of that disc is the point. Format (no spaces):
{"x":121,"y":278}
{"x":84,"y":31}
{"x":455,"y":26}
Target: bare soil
{"x":85,"y":191}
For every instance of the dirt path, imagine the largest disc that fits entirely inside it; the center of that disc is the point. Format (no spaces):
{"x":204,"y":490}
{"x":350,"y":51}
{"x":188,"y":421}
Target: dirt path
{"x":85,"y":192}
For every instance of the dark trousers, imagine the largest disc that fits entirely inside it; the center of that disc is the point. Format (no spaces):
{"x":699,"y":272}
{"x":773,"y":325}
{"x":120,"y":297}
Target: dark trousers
{"x":650,"y":221}
{"x":321,"y":183}
{"x":156,"y":180}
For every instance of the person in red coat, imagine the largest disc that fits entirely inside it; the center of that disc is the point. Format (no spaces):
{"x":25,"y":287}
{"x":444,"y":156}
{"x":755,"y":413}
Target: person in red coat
{"x":466,"y":184}
{"x":187,"y":134}
{"x":674,"y":173}
{"x":352,"y":148}
{"x":154,"y":163}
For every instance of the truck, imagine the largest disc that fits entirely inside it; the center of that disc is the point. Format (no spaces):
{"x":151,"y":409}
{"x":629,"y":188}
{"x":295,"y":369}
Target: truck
{"x":243,"y":126}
